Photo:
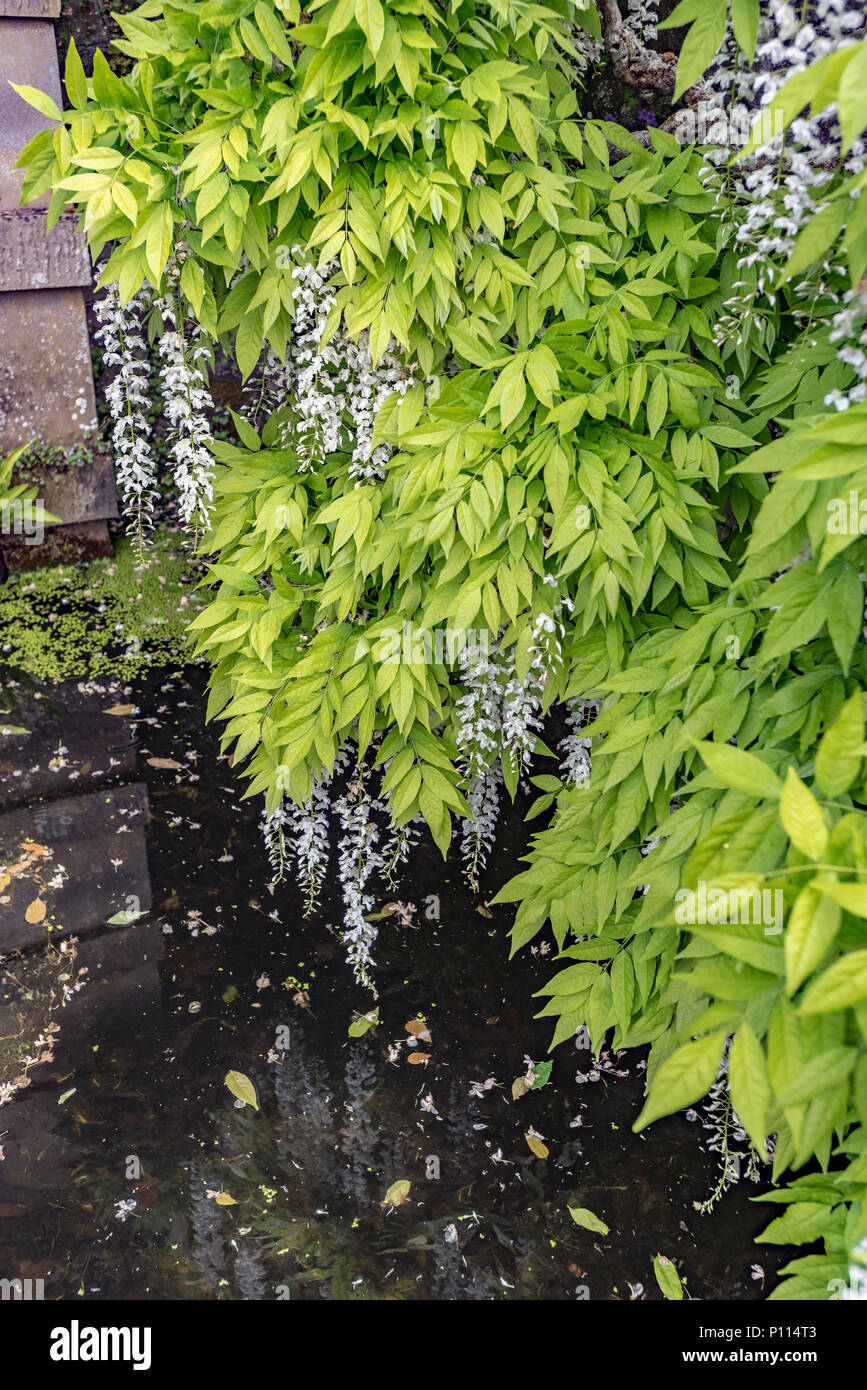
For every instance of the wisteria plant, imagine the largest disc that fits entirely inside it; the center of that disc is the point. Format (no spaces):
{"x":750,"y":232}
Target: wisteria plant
{"x":587,"y":392}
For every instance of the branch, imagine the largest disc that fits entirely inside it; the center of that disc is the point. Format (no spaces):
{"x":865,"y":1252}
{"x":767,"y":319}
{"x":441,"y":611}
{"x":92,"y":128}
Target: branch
{"x":638,"y":66}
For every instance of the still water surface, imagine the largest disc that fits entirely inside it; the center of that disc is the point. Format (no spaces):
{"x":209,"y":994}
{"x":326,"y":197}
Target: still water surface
{"x":220,"y":974}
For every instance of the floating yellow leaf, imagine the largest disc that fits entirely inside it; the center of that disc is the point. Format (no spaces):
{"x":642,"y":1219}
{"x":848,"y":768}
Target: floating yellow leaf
{"x":225,"y":1199}
{"x":419,"y":1058}
{"x":519,"y":1088}
{"x":538,"y":1148}
{"x":398,"y":1193}
{"x":242,"y":1087}
{"x":588,"y":1219}
{"x":165,"y":762}
{"x":120,"y":709}
{"x":35,"y":912}
{"x":5,"y":880}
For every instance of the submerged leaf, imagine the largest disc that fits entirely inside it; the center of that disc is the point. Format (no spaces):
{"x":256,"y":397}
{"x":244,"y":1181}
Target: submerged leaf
{"x":242,"y":1087}
{"x":124,"y":917}
{"x":398,"y":1193}
{"x":582,"y":1217}
{"x":667,"y":1278}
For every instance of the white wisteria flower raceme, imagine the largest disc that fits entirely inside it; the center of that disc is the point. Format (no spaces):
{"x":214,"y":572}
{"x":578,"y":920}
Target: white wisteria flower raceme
{"x":479,"y":831}
{"x":522,"y":699}
{"x":479,"y":714}
{"x":185,"y":352}
{"x":575,"y":746}
{"x":778,"y":188}
{"x":358,"y":858}
{"x":128,"y":398}
{"x":330,"y":381}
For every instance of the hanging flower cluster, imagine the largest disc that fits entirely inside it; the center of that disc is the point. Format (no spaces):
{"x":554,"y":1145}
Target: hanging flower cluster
{"x":726,"y":1137}
{"x":642,"y":19}
{"x":301,"y":833}
{"x":500,"y":715}
{"x":358,"y":858}
{"x":849,"y":326}
{"x":480,"y":709}
{"x":186,"y":352}
{"x":274,"y":833}
{"x":522,"y":699}
{"x":403,"y":840}
{"x":329,"y":381}
{"x":479,"y":739}
{"x":309,"y":830}
{"x":312,"y":364}
{"x":575,"y":747}
{"x":479,"y":830}
{"x":124,"y":348}
{"x":781,"y":185}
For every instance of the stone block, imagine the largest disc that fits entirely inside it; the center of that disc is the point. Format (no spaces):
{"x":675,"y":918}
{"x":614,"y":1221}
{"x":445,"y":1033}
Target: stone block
{"x":31,"y":259}
{"x":28,"y":57}
{"x":30,"y":9}
{"x":99,"y":751}
{"x":104,"y":867}
{"x":46,"y":380}
{"x":61,"y":545}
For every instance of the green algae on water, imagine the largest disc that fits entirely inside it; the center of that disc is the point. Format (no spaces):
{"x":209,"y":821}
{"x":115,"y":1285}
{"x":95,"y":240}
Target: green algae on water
{"x":106,"y":617}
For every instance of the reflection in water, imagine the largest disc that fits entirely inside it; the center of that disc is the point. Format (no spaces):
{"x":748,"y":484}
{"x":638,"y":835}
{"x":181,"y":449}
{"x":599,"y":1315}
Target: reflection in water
{"x":232,"y":1203}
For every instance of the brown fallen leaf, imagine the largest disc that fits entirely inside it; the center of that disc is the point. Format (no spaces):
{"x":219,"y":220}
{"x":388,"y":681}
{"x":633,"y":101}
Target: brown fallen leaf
{"x":519,"y":1088}
{"x":418,"y":1058}
{"x":165,"y":762}
{"x":418,"y":1029}
{"x":32,"y":847}
{"x":483,"y":910}
{"x":35,"y":912}
{"x":119,"y":709}
{"x":5,"y":880}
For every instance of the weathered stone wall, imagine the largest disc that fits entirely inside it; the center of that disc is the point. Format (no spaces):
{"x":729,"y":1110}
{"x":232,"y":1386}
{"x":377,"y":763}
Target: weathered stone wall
{"x":46,"y":381}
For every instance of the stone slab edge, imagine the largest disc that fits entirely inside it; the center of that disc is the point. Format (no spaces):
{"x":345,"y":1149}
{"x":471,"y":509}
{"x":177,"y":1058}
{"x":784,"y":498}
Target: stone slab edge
{"x":30,"y":259}
{"x":29,"y":9}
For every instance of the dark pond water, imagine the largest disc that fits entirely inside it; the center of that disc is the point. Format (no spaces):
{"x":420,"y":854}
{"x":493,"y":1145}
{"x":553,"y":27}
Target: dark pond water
{"x":221,"y":974}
